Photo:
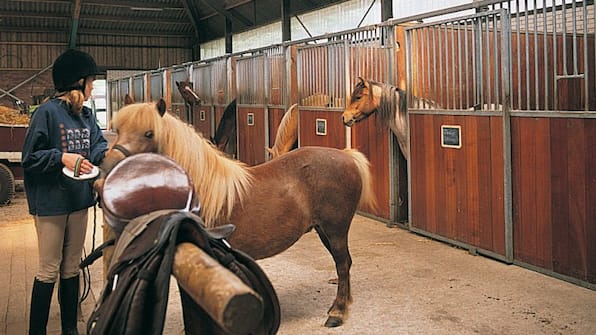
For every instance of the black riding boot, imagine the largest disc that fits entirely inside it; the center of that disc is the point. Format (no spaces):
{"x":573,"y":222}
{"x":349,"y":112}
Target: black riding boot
{"x":41,"y":299}
{"x":68,"y":296}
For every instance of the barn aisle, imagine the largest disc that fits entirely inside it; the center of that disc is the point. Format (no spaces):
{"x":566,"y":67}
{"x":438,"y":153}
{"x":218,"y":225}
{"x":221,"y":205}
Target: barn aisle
{"x":402,"y":283}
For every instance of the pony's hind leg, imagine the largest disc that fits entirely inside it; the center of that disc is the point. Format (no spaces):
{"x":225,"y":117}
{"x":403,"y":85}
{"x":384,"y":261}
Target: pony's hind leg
{"x":337,"y":244}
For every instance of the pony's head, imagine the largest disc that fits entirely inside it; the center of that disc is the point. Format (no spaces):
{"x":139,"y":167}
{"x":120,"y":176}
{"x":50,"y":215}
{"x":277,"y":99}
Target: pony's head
{"x":186,"y":90}
{"x":362,"y":103}
{"x":146,"y":127}
{"x":138,"y":126}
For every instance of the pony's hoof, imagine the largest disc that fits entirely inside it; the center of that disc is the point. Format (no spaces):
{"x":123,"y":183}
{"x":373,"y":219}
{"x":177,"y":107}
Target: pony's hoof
{"x":333,"y":321}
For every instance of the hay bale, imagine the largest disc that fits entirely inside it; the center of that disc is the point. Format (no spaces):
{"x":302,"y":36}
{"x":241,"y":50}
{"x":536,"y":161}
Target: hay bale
{"x":12,"y":116}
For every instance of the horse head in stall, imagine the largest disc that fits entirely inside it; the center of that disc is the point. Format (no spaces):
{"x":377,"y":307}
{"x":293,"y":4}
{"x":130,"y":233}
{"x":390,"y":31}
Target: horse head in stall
{"x":226,"y":133}
{"x":188,"y":94}
{"x":286,"y":137}
{"x":300,"y":187}
{"x":389,"y":102}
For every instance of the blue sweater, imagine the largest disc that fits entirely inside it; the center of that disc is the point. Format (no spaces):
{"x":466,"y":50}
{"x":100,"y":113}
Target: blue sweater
{"x":53,"y":130}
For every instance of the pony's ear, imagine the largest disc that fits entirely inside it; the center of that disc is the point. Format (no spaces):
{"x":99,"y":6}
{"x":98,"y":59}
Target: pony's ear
{"x":177,"y":84}
{"x":161,"y":107}
{"x":360,"y":80}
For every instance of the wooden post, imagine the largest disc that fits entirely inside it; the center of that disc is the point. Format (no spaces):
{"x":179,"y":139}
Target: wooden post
{"x":233,"y":305}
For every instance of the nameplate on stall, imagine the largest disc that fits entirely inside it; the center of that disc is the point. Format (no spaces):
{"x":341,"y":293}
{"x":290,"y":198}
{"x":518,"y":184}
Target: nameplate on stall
{"x":451,"y":136}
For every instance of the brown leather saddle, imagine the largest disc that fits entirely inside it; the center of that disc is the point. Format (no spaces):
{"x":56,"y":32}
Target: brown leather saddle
{"x":144,"y":183}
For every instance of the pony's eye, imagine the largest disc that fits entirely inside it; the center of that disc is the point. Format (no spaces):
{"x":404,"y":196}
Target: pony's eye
{"x":149,"y":134}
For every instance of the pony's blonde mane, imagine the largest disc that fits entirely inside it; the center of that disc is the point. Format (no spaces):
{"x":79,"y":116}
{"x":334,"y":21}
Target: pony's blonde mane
{"x":219,"y":181}
{"x":287,"y":132}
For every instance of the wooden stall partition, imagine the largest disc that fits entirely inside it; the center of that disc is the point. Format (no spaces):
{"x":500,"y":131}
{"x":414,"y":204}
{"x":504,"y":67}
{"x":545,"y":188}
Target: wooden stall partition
{"x":371,"y":56}
{"x":554,"y":192}
{"x":251,"y":135}
{"x":252,"y":119}
{"x":138,"y":88}
{"x":321,"y":128}
{"x":457,"y":193}
{"x":322,"y":85}
{"x":156,"y":85}
{"x":203,"y":118}
{"x":275,"y":115}
{"x":372,"y":138}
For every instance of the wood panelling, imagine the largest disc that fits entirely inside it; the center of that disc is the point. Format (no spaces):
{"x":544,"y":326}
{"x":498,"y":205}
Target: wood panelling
{"x":554,"y":194}
{"x":336,"y":131}
{"x":251,"y":138}
{"x":458,"y":193}
{"x":202,"y":120}
{"x":372,"y":138}
{"x":275,"y":115}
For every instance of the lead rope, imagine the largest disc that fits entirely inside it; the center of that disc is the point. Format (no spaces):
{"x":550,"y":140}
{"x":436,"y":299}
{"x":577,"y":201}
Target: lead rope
{"x":85,"y":270}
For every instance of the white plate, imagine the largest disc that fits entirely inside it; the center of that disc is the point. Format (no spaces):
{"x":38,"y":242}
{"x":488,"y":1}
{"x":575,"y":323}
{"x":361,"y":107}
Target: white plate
{"x":70,"y":173}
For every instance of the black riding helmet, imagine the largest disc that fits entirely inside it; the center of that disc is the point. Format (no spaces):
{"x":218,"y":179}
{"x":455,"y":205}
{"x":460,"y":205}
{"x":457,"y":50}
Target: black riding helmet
{"x":71,"y":66}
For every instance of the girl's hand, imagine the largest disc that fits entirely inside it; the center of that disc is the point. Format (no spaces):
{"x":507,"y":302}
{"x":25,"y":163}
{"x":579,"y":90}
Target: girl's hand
{"x":71,"y":161}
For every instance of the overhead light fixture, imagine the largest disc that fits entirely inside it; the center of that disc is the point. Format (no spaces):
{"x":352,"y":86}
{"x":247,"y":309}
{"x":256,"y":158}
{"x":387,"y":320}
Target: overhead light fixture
{"x":147,"y":9}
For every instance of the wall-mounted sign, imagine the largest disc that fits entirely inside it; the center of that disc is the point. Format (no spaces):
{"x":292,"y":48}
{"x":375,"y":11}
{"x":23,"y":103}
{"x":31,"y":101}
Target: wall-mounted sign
{"x":321,"y":127}
{"x":250,"y":119}
{"x":202,"y":115}
{"x":451,"y":136}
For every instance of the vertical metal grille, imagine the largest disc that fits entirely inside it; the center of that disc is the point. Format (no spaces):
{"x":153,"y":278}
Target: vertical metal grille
{"x":139,"y":88}
{"x":178,"y":75}
{"x":156,"y":86}
{"x":250,"y":77}
{"x":321,"y":75}
{"x":201,"y":78}
{"x":457,"y":63}
{"x":219,"y":82}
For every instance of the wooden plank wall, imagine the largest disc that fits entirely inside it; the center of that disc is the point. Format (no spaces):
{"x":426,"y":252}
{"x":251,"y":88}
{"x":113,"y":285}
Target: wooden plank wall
{"x":203,"y":119}
{"x":458,"y":193}
{"x":554,"y":194}
{"x":275,"y":116}
{"x":251,"y":138}
{"x":371,"y":137}
{"x":336,"y":131}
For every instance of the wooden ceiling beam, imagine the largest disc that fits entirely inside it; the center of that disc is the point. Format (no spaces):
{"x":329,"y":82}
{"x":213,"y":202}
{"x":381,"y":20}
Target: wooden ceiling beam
{"x":229,"y":14}
{"x":76,"y":13}
{"x":131,"y":4}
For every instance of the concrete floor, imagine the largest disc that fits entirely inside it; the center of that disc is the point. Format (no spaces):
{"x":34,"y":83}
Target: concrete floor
{"x":402,"y":283}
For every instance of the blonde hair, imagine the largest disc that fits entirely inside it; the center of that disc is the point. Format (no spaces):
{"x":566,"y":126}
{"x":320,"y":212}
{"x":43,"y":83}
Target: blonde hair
{"x":74,"y":97}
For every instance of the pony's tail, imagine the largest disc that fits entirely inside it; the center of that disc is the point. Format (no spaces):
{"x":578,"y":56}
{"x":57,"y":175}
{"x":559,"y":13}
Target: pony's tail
{"x":367,"y":196}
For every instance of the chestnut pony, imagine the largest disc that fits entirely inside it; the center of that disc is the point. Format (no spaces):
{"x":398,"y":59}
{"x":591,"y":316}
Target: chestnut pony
{"x":389,"y":102}
{"x":272,"y":204}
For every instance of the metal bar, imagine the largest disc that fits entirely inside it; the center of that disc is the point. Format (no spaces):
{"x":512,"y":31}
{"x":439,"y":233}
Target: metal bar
{"x":585,"y":28}
{"x":507,"y":180}
{"x":527,"y":56}
{"x":26,"y":80}
{"x":496,"y":61}
{"x":574,"y":33}
{"x":440,"y":52}
{"x":554,"y":53}
{"x":453,"y":62}
{"x":434,"y":47}
{"x":466,"y":54}
{"x":459,"y":64}
{"x":564,"y":35}
{"x":536,"y":69}
{"x":545,"y":53}
{"x":518,"y":48}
